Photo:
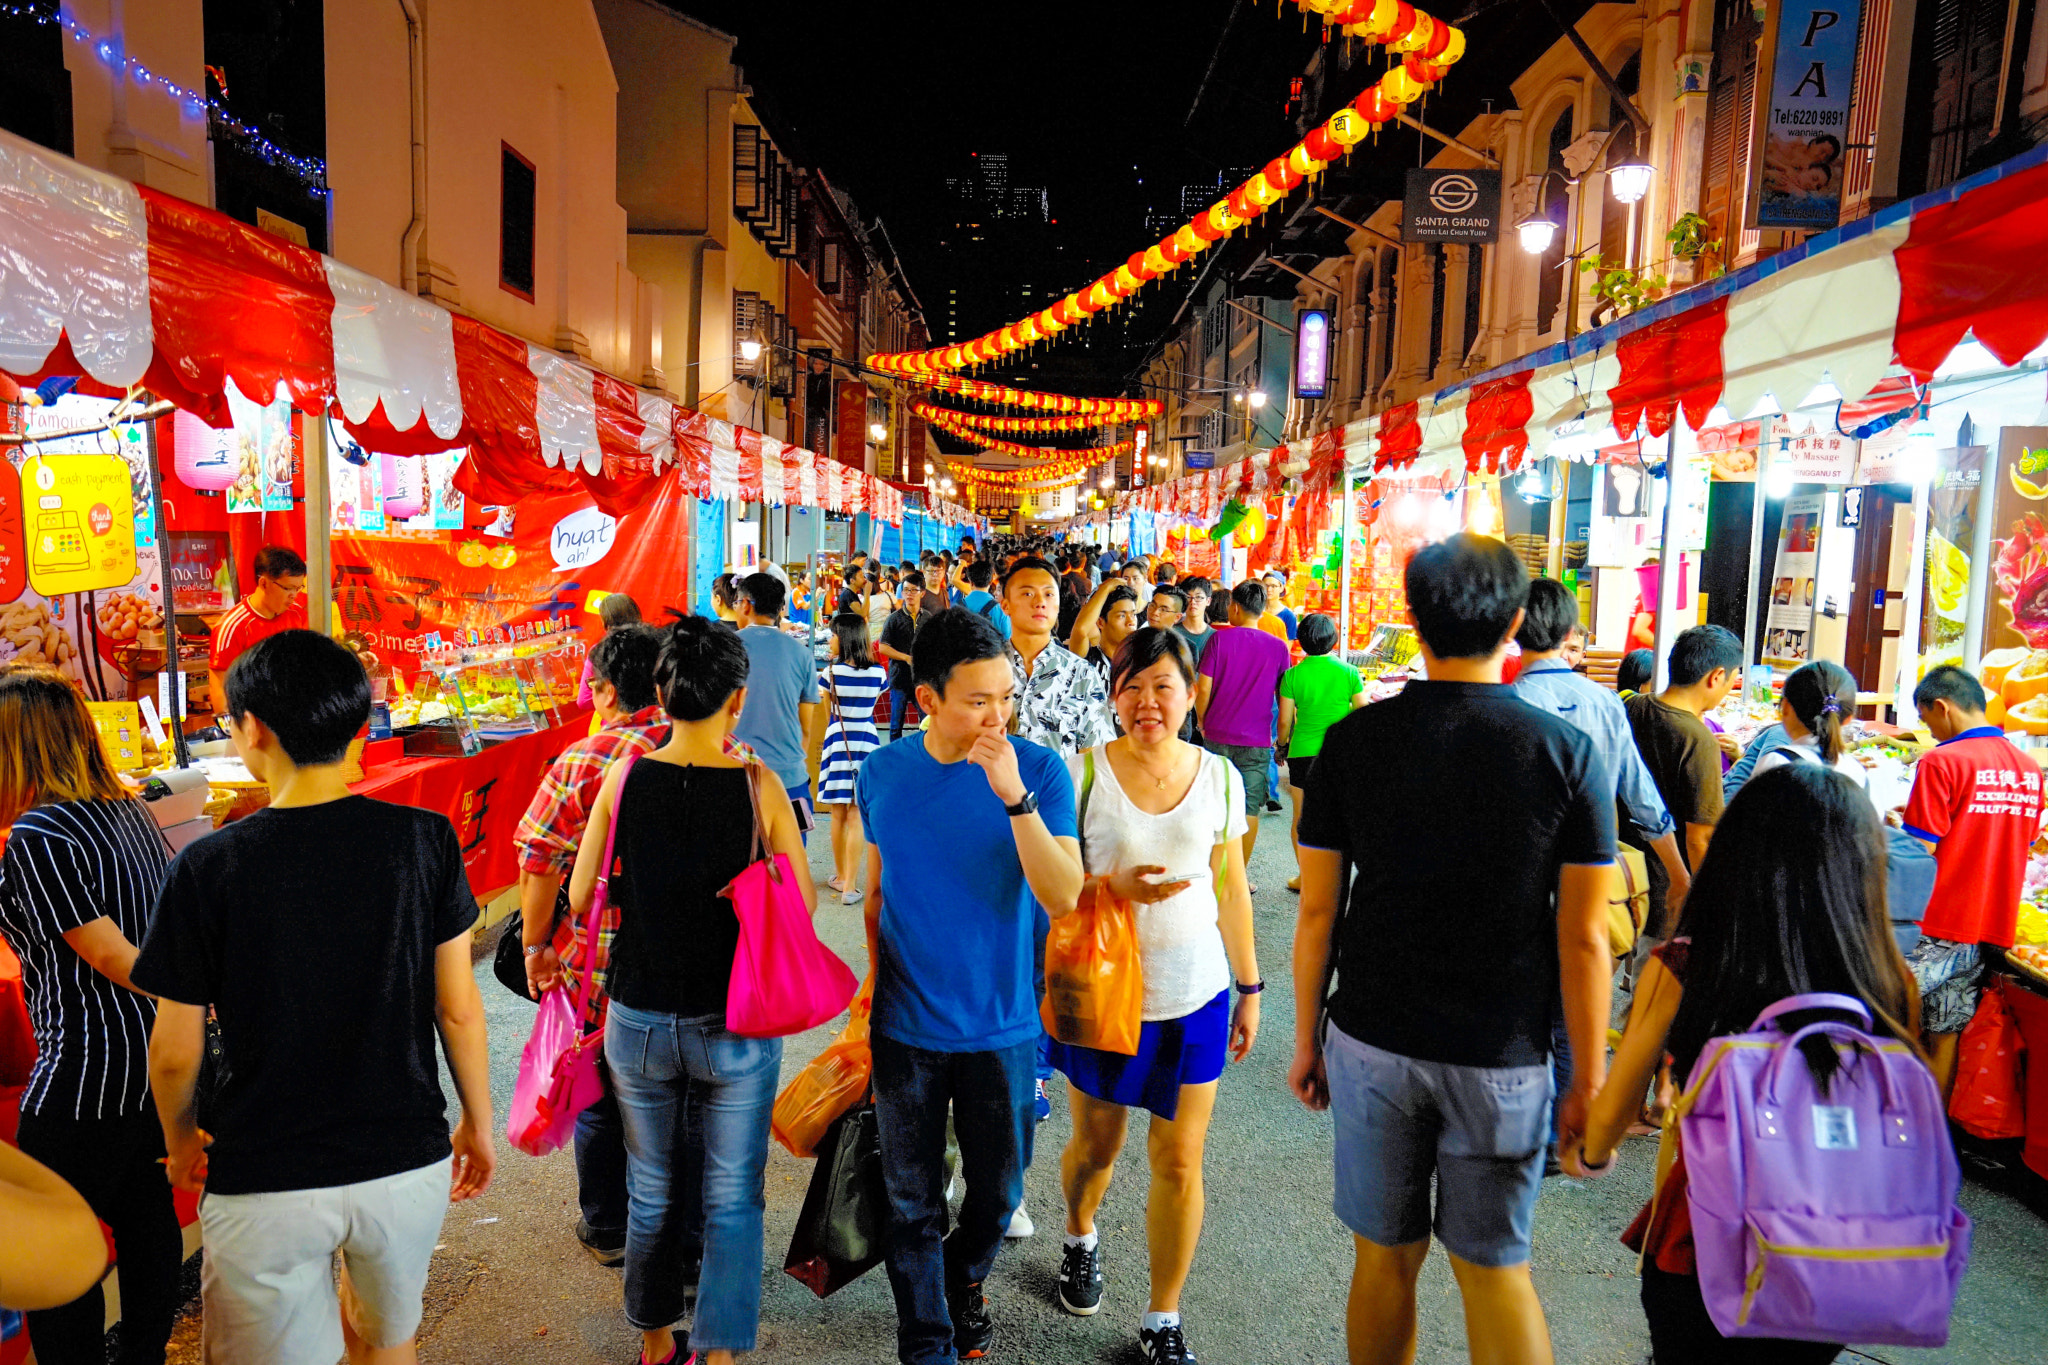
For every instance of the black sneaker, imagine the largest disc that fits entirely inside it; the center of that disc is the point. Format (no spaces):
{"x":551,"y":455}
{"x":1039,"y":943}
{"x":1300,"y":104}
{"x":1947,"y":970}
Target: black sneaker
{"x":972,"y":1329}
{"x":1165,"y":1347}
{"x":1081,"y":1279}
{"x":606,"y":1248}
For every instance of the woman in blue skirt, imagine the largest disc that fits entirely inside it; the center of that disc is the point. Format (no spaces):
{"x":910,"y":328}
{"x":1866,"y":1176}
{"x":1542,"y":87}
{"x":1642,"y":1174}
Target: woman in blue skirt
{"x":1160,"y":824}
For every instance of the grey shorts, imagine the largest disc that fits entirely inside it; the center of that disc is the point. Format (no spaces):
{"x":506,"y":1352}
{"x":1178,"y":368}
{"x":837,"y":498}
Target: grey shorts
{"x":268,"y":1280}
{"x":1480,"y":1131}
{"x":1951,"y":979}
{"x":1251,"y":762}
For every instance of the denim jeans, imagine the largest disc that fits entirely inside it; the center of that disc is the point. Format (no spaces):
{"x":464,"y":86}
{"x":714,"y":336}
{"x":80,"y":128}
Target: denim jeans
{"x":688,"y":1090}
{"x":899,"y":701}
{"x":601,"y":1167}
{"x":990,"y":1097}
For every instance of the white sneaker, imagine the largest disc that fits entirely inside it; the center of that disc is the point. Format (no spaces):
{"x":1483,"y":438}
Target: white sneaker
{"x":852,"y":897}
{"x":1020,"y":1224}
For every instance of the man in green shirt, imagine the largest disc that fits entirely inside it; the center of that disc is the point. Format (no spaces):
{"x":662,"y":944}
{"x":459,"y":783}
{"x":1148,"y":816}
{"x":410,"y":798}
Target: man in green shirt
{"x":1314,"y":695}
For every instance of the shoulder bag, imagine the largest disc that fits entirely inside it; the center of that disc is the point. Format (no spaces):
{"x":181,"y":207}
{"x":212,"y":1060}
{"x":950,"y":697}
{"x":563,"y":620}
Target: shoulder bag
{"x":558,"y":1070}
{"x":783,"y":980}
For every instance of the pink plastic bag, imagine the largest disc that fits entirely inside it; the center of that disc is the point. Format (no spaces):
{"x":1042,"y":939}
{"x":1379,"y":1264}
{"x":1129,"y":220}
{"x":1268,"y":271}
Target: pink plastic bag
{"x":558,"y":1070}
{"x":784,"y":980}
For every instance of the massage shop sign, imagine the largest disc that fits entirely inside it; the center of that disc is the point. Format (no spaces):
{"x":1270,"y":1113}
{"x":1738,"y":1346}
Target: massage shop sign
{"x":79,"y":576}
{"x":1808,"y":67}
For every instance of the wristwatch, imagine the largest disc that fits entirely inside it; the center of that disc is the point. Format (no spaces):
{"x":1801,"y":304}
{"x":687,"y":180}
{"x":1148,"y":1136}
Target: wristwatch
{"x":534,"y":949}
{"x":1028,"y":806}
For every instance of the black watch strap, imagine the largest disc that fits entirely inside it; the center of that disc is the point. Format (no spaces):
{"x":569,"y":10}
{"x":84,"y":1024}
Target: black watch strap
{"x":1028,"y":806}
{"x":1252,"y":989}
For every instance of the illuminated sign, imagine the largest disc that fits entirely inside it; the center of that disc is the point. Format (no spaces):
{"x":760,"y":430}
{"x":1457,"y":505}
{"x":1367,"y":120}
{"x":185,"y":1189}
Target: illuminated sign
{"x":1311,"y":353}
{"x":80,"y":522}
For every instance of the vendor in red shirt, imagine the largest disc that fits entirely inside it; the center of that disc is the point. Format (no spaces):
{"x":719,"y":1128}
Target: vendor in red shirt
{"x":1977,"y":803}
{"x":272,"y":606}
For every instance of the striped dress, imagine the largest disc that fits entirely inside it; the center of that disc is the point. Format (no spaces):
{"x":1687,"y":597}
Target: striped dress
{"x":850,"y":734}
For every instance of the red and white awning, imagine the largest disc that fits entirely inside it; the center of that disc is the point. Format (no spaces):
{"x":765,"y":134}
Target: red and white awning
{"x":128,"y":286}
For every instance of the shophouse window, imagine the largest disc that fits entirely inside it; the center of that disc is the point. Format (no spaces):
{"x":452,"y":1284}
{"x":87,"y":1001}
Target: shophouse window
{"x":516,"y":198}
{"x":1556,"y":206}
{"x":1731,"y":105}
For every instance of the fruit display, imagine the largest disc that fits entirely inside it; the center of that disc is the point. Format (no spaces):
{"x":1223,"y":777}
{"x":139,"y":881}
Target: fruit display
{"x":125,"y":615}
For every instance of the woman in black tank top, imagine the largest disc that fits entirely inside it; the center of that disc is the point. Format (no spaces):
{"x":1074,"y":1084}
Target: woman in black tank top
{"x":694,"y":1099}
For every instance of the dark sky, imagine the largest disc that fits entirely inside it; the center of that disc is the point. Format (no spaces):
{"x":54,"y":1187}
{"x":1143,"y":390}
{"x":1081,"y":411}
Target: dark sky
{"x":888,"y":98}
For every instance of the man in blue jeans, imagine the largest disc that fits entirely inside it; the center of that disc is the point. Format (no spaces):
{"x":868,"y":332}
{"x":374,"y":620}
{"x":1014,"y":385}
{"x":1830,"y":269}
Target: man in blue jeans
{"x":899,"y":633}
{"x":782,"y":690}
{"x":953,"y":943}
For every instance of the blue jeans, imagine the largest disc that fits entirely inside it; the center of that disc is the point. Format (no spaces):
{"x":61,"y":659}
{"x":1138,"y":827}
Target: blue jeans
{"x":689,"y":1077}
{"x":601,"y":1165}
{"x":899,"y":701}
{"x":1273,"y":763}
{"x":990,"y":1097}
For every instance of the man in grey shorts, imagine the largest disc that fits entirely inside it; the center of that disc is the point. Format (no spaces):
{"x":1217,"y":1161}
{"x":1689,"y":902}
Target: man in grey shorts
{"x":1480,"y":858}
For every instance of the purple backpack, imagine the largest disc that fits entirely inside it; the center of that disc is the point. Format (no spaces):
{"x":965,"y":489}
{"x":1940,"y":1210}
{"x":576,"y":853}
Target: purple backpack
{"x":1822,"y":1217}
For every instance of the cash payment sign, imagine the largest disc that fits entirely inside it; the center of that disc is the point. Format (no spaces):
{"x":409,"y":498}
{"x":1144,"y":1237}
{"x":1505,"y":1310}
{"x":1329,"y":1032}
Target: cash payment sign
{"x":79,"y":521}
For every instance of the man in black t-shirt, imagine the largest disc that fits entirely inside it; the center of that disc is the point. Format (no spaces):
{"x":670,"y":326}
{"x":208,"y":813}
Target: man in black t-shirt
{"x":899,"y":633}
{"x":330,"y":935}
{"x":1448,"y":959}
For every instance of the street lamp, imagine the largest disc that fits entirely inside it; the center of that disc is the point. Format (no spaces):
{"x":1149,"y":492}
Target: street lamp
{"x":1537,"y":234}
{"x":1258,"y":398}
{"x":879,"y":432}
{"x":1630,"y":182}
{"x":750,"y":349}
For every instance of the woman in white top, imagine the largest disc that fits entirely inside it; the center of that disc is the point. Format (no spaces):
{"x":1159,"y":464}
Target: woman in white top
{"x":1818,"y":700}
{"x":1161,"y":822}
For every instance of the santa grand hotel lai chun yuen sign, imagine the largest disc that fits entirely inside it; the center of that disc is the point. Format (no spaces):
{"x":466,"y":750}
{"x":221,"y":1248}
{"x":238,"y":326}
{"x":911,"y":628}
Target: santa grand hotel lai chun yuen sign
{"x":1451,"y":206}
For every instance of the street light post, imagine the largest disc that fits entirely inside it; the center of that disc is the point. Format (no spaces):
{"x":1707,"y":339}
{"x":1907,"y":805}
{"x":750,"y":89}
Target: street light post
{"x":1629,"y":183}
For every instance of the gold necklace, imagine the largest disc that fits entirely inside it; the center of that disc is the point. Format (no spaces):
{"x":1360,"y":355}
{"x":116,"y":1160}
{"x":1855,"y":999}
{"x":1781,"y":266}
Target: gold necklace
{"x":1158,"y":783}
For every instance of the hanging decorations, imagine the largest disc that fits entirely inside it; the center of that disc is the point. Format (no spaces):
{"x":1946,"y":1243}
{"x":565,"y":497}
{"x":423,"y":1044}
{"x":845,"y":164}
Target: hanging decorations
{"x":1123,"y":409}
{"x":1037,"y":454}
{"x":987,"y":422}
{"x":1054,"y":473}
{"x":1427,"y":48}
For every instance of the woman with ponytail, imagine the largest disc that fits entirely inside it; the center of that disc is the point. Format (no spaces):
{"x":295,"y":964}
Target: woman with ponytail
{"x":694,"y":1099}
{"x":1819,"y":699}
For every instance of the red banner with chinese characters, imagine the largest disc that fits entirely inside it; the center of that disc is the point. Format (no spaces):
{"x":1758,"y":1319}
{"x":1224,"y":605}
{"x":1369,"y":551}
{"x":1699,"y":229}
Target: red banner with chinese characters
{"x":395,"y":592}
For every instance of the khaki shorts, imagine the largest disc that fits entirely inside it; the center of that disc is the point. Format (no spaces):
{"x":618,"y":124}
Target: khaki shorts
{"x":268,"y":1281}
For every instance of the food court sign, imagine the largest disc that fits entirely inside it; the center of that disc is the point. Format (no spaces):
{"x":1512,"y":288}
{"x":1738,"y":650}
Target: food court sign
{"x":1808,"y":65}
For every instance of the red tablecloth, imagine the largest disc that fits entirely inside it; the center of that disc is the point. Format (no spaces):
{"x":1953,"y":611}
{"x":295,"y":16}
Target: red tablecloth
{"x":483,"y":796}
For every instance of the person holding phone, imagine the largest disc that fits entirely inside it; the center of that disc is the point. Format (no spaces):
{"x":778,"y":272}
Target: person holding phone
{"x":1162,"y":824}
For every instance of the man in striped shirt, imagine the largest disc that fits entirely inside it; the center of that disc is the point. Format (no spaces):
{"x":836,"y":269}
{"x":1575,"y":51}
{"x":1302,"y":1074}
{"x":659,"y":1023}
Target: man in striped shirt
{"x":622,"y":687}
{"x":271,"y":606}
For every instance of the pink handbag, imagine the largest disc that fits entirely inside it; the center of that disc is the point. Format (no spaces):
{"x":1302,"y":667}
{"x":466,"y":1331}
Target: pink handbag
{"x":784,"y":980}
{"x":558,"y":1077}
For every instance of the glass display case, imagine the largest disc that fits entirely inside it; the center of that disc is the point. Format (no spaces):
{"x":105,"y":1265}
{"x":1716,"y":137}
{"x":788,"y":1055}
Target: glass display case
{"x":463,"y":699}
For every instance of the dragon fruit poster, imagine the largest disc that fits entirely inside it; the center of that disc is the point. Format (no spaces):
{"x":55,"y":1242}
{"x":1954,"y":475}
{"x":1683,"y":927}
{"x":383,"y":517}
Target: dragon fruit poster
{"x":2015,"y":661}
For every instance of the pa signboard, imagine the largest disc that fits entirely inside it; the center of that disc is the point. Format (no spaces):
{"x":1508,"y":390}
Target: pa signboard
{"x":1808,"y":65}
{"x":1451,"y":206}
{"x":1311,"y":354}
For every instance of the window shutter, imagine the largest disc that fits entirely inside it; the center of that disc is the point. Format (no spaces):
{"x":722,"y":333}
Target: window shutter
{"x":746,"y":172}
{"x":1731,"y":106}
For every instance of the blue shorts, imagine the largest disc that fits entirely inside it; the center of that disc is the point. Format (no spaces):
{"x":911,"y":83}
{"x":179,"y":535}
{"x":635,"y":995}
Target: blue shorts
{"x":1480,"y":1131}
{"x":1190,"y":1050}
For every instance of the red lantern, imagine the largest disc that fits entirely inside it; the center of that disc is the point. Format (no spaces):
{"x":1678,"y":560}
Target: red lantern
{"x":1424,"y":70}
{"x":1282,"y":174}
{"x":1241,"y":203}
{"x":1374,"y":106}
{"x":1439,"y":39}
{"x":1404,"y":23}
{"x":1139,"y":267}
{"x":1322,"y":146}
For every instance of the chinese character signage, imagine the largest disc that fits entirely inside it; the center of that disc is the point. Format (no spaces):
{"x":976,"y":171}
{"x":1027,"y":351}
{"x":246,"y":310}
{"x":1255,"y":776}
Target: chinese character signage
{"x":1819,"y":457}
{"x":1809,"y":70}
{"x":1311,"y":354}
{"x":1451,"y":205}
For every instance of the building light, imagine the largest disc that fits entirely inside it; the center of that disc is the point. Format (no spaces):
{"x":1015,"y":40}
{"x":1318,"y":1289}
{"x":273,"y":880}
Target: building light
{"x":1630,"y":182}
{"x":750,"y":349}
{"x":1537,"y":234}
{"x":879,"y":432}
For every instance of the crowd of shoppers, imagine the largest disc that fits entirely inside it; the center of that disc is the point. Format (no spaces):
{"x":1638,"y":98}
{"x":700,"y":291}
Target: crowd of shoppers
{"x":316,"y":949}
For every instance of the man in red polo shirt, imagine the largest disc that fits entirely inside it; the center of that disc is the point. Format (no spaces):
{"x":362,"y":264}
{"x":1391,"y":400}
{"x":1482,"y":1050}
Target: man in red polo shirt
{"x":272,"y":606}
{"x":1977,"y":802}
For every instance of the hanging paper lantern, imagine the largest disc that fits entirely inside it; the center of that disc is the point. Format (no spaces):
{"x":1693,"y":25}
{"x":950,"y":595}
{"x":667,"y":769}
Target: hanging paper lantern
{"x":1125,"y":281}
{"x":1423,"y":69}
{"x":1454,"y":45}
{"x":1347,"y":127}
{"x":1281,"y":171}
{"x":1319,"y":147}
{"x":1400,"y":87}
{"x":1303,"y":159}
{"x":1375,"y":107}
{"x":206,"y":460}
{"x":1251,"y":529}
{"x":405,"y":492}
{"x":1417,"y":36}
{"x":1156,"y":260}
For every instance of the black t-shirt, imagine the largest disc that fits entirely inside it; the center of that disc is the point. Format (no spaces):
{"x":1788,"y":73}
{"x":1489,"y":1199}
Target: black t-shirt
{"x":1456,"y":804}
{"x":311,"y":931}
{"x":684,"y":834}
{"x":900,"y":632}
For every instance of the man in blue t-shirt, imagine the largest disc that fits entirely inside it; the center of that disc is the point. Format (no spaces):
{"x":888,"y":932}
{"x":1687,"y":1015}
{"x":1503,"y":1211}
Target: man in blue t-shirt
{"x":953,"y":943}
{"x":782,"y":690}
{"x":980,"y":600}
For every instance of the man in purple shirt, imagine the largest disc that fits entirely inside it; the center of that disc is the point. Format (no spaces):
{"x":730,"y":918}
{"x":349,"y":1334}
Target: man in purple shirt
{"x":1235,"y":695}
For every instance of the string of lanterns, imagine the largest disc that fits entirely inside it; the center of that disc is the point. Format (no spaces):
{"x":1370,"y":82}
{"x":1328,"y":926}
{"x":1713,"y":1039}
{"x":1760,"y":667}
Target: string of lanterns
{"x":194,"y":103}
{"x":1428,"y":48}
{"x":1040,"y":456}
{"x":1057,"y":473}
{"x":1122,"y":409}
{"x":987,"y":422}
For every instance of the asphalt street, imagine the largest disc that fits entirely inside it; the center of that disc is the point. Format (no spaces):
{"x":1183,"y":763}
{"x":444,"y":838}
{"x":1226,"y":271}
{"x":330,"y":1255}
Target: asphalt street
{"x":512,"y":1285}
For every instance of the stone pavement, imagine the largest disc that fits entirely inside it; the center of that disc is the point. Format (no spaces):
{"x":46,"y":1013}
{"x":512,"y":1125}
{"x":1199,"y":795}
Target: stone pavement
{"x":513,"y":1286}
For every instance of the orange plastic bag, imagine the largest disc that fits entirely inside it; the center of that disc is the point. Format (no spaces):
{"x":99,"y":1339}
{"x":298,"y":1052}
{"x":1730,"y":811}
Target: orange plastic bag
{"x":1987,"y":1100}
{"x":1094,"y":991}
{"x":830,"y":1085}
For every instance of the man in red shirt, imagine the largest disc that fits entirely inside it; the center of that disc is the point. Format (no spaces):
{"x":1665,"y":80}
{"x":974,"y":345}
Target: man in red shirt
{"x":272,"y":606}
{"x":1977,"y":803}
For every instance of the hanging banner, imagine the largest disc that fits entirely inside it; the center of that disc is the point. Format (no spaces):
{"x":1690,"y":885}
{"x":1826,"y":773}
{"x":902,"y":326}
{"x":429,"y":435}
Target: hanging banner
{"x":355,"y":483}
{"x":1788,"y":625}
{"x":1808,"y":68}
{"x":283,"y":448}
{"x":1311,"y":353}
{"x":2016,"y":607}
{"x":1951,"y":530}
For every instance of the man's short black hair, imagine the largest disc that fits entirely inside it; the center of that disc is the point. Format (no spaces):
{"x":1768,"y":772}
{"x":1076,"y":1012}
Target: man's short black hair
{"x":948,"y":639}
{"x":1191,"y":586}
{"x":1317,"y":634}
{"x":1179,"y":598}
{"x":1464,"y":593}
{"x":1250,"y":597}
{"x":978,"y":573}
{"x":915,"y":578}
{"x":765,"y":593}
{"x":278,"y":561}
{"x":1952,"y":685}
{"x":1550,"y":617}
{"x":1699,"y":650}
{"x":625,"y":659}
{"x":1028,"y":564}
{"x":311,"y":691}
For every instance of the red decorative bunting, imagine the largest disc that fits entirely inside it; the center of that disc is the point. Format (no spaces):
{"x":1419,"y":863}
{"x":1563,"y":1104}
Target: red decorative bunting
{"x":1672,"y":363}
{"x":1400,"y":437}
{"x":1975,"y":266}
{"x":1497,"y":422}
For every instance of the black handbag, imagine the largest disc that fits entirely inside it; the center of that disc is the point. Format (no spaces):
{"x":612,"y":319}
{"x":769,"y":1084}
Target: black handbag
{"x":508,"y":964}
{"x":213,"y":1074}
{"x":842,"y":1232}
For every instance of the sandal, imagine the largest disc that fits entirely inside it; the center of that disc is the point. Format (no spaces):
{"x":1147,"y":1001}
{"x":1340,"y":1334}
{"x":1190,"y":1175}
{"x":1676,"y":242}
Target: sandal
{"x":834,"y":882}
